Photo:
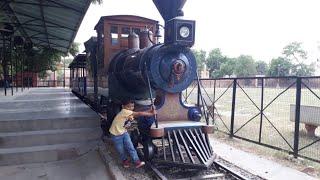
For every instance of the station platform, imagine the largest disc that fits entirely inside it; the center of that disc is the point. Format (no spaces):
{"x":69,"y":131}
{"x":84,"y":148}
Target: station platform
{"x":45,"y":132}
{"x":257,"y":165}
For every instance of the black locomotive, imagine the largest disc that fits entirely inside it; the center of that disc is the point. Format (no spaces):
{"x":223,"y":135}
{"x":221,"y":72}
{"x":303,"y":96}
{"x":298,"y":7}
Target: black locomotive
{"x":153,"y":73}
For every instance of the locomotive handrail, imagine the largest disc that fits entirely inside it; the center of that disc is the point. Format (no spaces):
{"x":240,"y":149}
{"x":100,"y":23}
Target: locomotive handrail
{"x":150,"y":93}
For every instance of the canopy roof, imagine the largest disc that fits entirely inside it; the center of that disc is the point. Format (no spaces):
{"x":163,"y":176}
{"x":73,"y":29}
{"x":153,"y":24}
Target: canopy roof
{"x":78,"y":62}
{"x":49,"y":23}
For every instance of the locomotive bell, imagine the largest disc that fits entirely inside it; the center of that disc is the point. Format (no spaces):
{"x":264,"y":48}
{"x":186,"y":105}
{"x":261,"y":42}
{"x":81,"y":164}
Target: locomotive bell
{"x":144,"y":37}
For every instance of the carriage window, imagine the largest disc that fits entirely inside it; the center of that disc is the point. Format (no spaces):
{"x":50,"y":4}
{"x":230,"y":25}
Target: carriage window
{"x":136,"y":30}
{"x":125,"y":31}
{"x":114,"y":35}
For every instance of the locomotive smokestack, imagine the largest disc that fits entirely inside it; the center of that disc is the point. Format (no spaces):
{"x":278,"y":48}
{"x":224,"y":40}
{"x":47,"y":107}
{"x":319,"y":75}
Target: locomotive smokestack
{"x":169,"y":8}
{"x":177,"y":31}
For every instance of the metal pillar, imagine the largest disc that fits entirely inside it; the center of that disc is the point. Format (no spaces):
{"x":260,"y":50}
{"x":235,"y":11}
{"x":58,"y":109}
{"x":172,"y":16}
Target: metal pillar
{"x":28,"y":81}
{"x":4,"y":67}
{"x":11,"y":63}
{"x":22,"y":71}
{"x":64,"y":72}
{"x":16,"y":70}
{"x":54,"y":78}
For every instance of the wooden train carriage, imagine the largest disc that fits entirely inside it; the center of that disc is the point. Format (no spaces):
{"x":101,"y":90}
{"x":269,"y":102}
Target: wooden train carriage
{"x":112,"y":37}
{"x":78,"y":75}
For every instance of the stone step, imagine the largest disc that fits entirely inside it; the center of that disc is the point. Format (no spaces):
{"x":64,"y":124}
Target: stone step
{"x":48,"y":137}
{"x":38,"y":154}
{"x":18,"y":125}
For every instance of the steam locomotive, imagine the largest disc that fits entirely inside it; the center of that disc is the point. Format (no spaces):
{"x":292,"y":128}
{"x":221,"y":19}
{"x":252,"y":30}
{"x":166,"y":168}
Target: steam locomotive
{"x":131,"y":64}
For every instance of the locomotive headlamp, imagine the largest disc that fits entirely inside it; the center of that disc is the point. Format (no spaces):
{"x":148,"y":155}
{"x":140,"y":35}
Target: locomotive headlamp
{"x":184,"y":31}
{"x":180,"y":31}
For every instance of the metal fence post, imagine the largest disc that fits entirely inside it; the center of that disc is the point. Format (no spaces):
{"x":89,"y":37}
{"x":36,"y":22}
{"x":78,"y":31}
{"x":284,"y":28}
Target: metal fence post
{"x":233,"y":107}
{"x":214,"y":101}
{"x":297,"y":118}
{"x":261,"y":108}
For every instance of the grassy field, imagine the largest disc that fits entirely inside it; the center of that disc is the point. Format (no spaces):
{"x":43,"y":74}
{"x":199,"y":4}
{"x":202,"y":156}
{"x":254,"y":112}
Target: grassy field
{"x":276,"y":129}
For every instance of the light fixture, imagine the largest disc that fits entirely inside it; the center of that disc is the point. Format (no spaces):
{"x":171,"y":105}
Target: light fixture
{"x":184,"y":31}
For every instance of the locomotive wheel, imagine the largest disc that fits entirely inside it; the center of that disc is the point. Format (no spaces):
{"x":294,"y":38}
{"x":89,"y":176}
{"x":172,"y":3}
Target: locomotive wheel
{"x":148,"y":150}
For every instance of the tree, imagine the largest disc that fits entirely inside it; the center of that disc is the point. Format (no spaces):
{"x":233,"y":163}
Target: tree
{"x":214,"y":61}
{"x":261,"y":67}
{"x":41,"y":59}
{"x":245,"y":66}
{"x":226,"y":69}
{"x":200,"y":58}
{"x":280,"y":67}
{"x":74,"y":49}
{"x":97,"y":1}
{"x":294,"y":52}
{"x":303,"y":70}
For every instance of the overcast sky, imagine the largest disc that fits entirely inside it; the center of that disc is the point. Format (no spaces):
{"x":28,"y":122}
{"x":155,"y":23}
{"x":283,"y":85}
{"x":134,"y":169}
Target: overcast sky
{"x":260,"y":28}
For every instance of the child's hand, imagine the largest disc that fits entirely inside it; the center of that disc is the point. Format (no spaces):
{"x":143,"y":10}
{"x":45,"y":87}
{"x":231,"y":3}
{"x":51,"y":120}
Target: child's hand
{"x":131,"y":118}
{"x":153,"y":111}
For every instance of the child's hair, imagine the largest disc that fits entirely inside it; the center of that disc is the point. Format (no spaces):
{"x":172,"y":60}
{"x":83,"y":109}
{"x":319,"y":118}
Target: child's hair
{"x":127,"y":101}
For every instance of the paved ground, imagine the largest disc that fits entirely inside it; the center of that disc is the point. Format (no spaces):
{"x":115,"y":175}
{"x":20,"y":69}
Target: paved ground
{"x":50,"y":112}
{"x":42,"y":103}
{"x":87,"y":167}
{"x":257,"y":165}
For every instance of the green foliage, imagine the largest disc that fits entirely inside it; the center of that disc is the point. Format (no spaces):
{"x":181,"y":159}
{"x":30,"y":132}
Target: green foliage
{"x":226,"y":69}
{"x":214,"y":61}
{"x":262,"y":67}
{"x":74,"y":49}
{"x":245,"y":66}
{"x":303,"y":70}
{"x":42,"y":74}
{"x":97,"y":2}
{"x":200,"y":58}
{"x":43,"y":59}
{"x":294,"y":51}
{"x":280,"y":67}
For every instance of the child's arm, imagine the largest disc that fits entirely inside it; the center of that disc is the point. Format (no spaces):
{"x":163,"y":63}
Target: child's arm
{"x":148,"y":113}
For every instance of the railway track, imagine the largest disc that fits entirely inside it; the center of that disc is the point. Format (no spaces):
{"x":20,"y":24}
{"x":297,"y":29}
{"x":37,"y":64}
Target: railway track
{"x":221,"y":169}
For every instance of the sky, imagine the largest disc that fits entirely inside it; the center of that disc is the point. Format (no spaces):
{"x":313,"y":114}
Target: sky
{"x":260,"y":28}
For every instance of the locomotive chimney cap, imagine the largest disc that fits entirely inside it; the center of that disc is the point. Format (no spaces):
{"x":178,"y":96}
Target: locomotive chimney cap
{"x":170,"y":8}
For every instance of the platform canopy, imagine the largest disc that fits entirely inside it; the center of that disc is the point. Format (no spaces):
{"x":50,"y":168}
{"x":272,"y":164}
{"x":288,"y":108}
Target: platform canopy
{"x":51,"y":23}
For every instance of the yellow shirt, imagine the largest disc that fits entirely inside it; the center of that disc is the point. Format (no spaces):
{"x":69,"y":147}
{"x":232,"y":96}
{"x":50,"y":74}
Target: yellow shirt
{"x":118,"y":125}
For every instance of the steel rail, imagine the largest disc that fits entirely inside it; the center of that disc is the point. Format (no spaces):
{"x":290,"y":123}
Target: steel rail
{"x":219,"y":165}
{"x":230,"y":171}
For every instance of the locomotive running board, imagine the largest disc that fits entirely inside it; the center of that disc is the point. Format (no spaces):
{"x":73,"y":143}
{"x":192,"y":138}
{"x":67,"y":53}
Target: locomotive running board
{"x":186,"y":147}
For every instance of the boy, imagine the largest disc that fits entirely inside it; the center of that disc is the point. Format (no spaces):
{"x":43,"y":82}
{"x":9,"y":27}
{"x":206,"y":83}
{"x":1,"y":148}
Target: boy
{"x":120,"y":136}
